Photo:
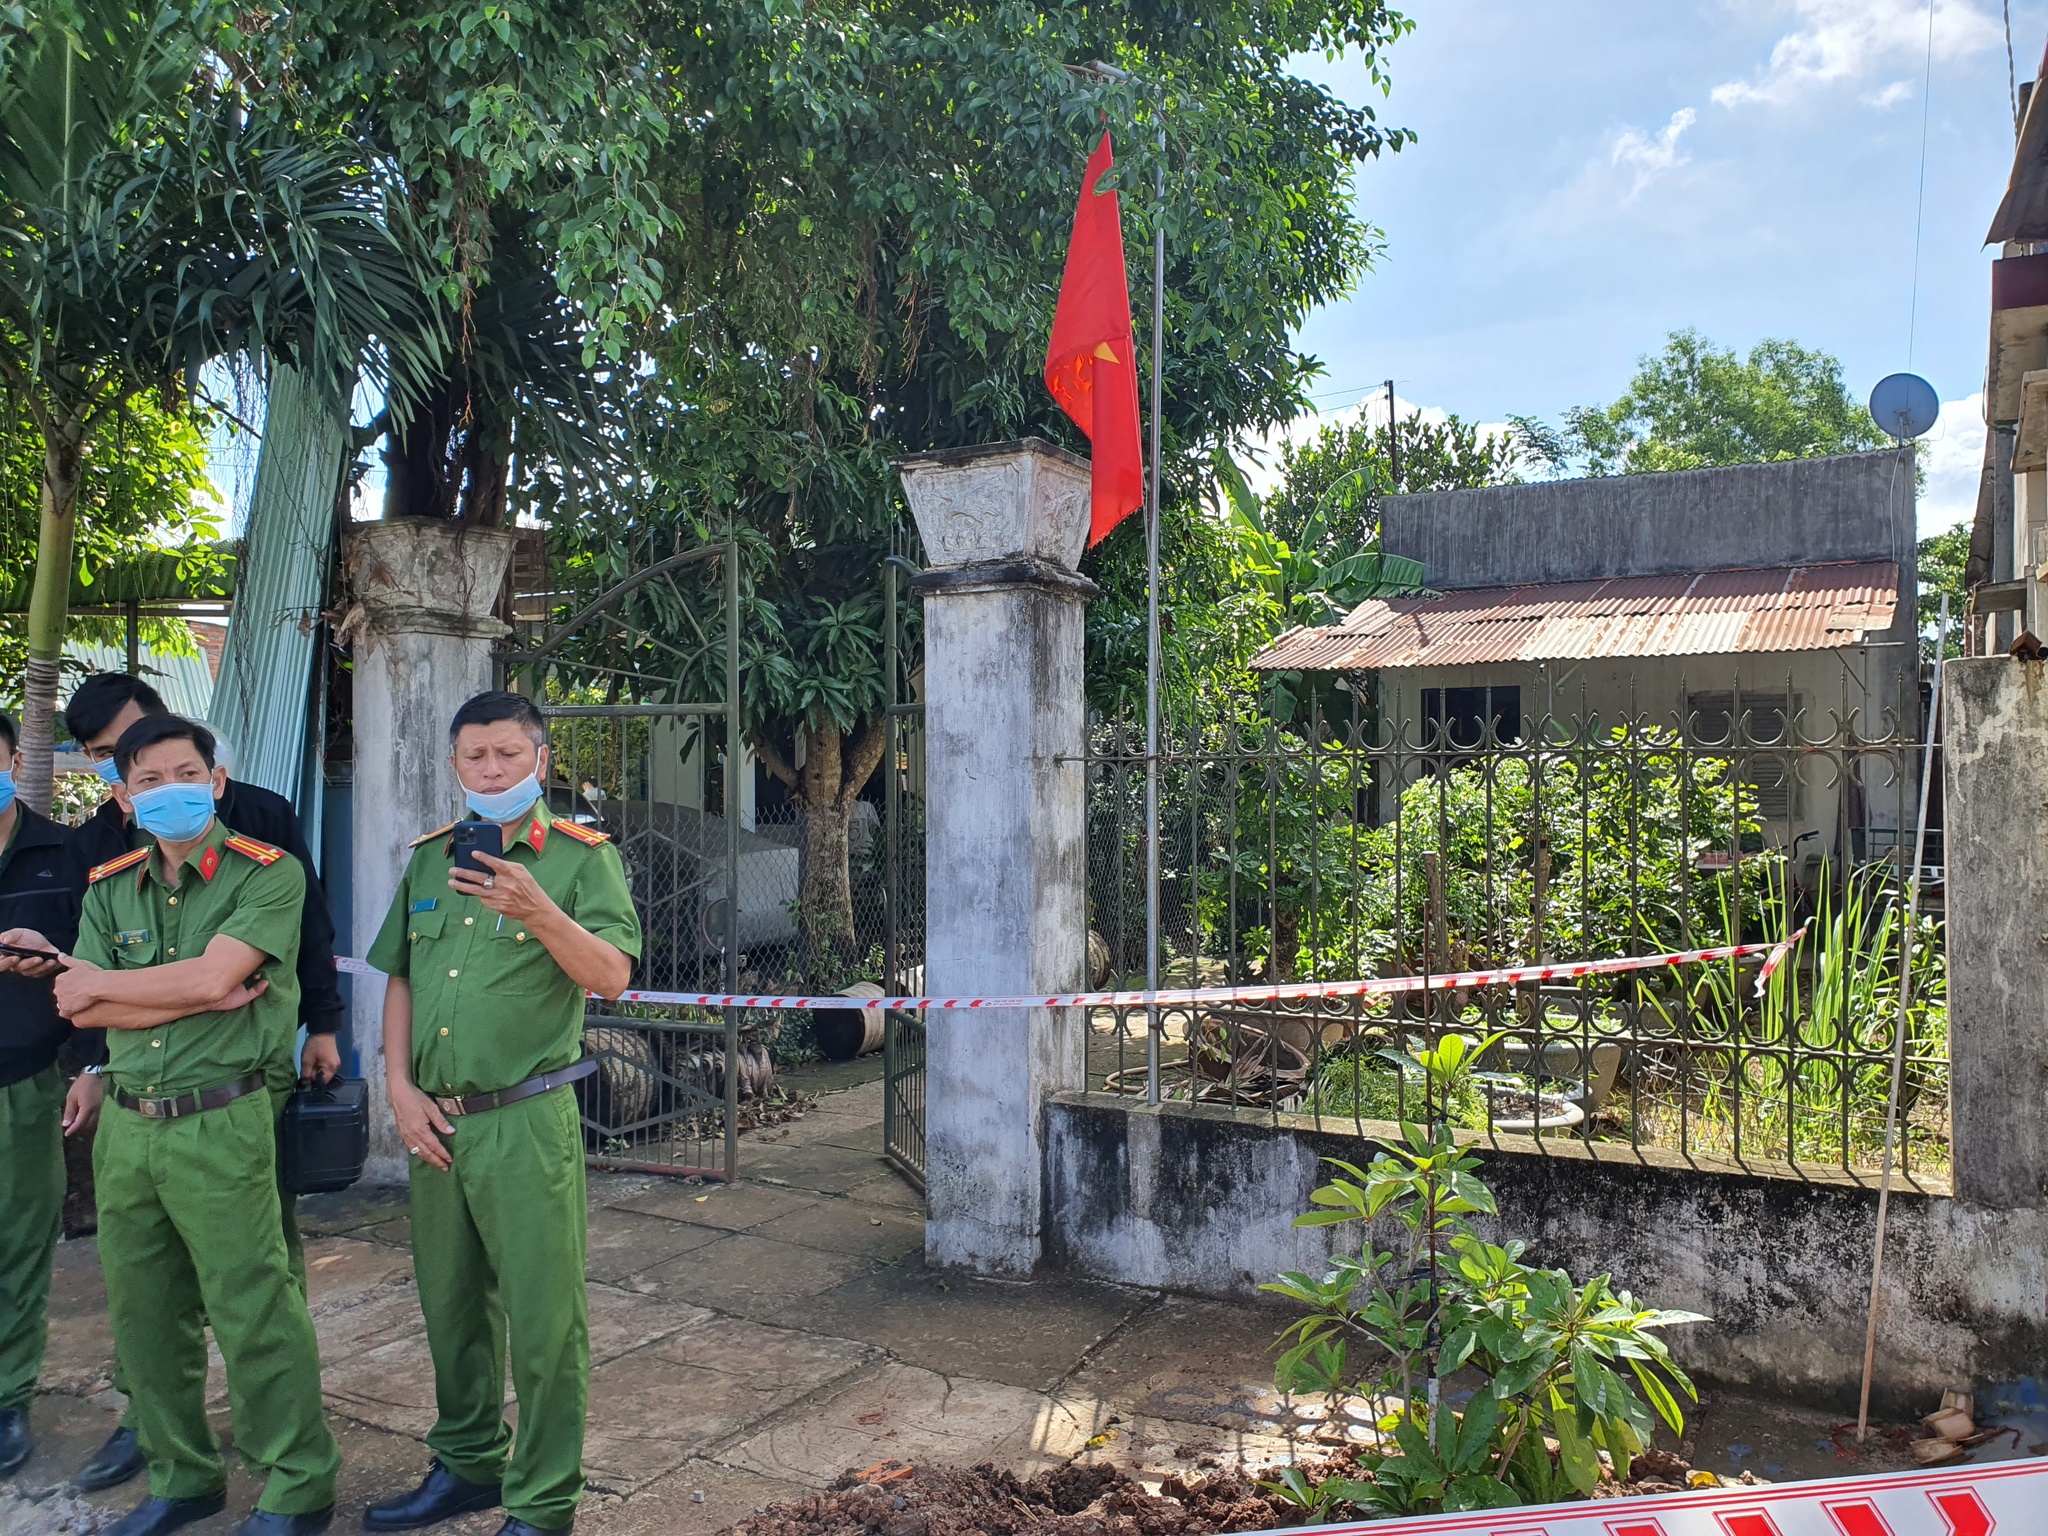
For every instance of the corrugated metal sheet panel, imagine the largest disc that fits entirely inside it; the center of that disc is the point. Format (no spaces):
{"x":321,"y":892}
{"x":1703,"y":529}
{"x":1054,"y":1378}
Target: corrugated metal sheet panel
{"x":261,"y":702}
{"x":184,"y":683}
{"x":1709,"y":613}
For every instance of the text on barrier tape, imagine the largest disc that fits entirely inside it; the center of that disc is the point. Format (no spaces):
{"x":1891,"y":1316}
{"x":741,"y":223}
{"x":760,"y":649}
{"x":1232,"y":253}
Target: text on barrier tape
{"x":1374,"y":986}
{"x":2008,"y":1498}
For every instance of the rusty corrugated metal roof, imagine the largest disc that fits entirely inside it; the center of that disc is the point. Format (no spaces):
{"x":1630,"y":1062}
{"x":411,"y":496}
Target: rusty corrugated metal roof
{"x":1709,"y":613}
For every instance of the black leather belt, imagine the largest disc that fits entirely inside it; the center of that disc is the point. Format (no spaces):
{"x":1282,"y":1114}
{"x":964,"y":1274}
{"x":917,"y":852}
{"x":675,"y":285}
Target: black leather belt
{"x":533,"y":1087}
{"x":179,"y":1105}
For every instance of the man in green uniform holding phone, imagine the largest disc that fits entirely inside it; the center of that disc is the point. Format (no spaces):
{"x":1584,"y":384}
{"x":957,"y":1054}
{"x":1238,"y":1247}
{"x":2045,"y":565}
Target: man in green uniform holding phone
{"x":187,"y":953}
{"x":483,"y":1034}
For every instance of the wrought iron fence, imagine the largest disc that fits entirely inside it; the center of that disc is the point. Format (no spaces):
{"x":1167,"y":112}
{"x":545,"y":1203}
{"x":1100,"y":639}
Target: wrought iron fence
{"x":1441,"y":833}
{"x":640,"y":683}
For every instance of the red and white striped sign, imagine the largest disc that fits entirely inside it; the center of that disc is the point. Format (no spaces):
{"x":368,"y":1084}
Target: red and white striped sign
{"x":2008,"y":1498}
{"x":1174,"y":997}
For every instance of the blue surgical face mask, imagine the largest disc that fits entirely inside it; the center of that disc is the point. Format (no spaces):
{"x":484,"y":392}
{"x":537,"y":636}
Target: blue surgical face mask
{"x":506,"y":803}
{"x":175,"y":812}
{"x":6,"y":788}
{"x":108,"y":770}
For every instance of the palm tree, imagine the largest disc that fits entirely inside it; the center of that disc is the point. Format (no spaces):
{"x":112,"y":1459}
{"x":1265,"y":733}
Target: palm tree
{"x":148,"y":228}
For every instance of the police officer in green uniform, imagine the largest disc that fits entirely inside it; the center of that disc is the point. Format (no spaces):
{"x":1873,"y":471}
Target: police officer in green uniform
{"x":38,"y":912}
{"x":483,"y":1029}
{"x":186,"y":955}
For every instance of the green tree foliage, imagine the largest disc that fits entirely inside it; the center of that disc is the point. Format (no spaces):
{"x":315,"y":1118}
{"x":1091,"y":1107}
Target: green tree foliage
{"x":150,"y":228}
{"x":876,"y":204}
{"x":524,"y":146}
{"x":143,"y":488}
{"x":1695,"y":405}
{"x":1943,"y":557}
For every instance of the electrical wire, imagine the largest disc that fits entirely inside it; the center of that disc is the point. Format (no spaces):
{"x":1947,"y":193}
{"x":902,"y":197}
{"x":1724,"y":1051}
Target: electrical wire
{"x":2012,"y":78}
{"x":1920,"y":206}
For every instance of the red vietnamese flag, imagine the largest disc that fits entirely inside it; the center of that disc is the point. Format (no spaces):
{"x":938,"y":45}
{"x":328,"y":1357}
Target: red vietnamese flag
{"x":1091,"y":366}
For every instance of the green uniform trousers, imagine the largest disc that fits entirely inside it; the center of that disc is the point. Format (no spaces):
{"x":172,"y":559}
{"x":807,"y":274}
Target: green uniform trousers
{"x":190,"y":1233}
{"x":31,"y":1217}
{"x":498,"y":1246}
{"x":295,"y":1254}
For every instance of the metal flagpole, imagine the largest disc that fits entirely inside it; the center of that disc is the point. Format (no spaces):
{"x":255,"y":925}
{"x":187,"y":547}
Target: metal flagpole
{"x":1152,"y":630}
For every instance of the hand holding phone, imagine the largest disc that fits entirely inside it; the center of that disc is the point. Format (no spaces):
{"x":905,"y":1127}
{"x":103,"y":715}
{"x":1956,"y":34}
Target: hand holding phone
{"x":474,"y":837}
{"x":24,"y":952}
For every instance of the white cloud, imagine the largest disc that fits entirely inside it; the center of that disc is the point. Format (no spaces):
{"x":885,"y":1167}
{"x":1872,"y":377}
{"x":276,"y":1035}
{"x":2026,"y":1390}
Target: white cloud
{"x":1953,"y":457}
{"x":1650,"y":155}
{"x":1847,"y":41}
{"x":1890,"y":96}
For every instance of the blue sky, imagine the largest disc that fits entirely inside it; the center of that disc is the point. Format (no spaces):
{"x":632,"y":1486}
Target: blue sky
{"x":1593,"y":174}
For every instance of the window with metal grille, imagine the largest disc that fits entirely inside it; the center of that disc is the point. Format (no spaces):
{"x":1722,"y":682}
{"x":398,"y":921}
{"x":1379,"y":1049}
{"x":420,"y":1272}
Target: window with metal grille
{"x":1755,"y":730}
{"x":1456,"y":717}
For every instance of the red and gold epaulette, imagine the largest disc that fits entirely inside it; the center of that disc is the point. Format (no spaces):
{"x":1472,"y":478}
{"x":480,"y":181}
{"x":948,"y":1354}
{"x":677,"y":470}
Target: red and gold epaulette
{"x":581,"y":833}
{"x":428,"y":837}
{"x":249,"y":848}
{"x":128,"y":860}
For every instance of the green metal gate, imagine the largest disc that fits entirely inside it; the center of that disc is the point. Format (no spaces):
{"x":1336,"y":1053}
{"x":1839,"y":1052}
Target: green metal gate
{"x":903,"y":1039}
{"x":636,"y":678}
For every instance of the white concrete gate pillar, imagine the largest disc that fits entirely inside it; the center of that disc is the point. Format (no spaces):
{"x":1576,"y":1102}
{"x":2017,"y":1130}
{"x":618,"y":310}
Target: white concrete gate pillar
{"x":422,"y":596}
{"x":1005,"y":824}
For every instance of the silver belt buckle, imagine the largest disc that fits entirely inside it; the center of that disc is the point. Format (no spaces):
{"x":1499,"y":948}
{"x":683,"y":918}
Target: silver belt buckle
{"x":450,"y":1107}
{"x":150,"y":1109}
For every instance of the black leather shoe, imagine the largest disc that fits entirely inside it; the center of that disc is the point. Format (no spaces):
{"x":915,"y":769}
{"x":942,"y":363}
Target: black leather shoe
{"x":267,"y":1523}
{"x":158,"y":1517}
{"x":440,"y":1496}
{"x":112,"y":1464}
{"x":15,"y":1445}
{"x":514,"y":1526}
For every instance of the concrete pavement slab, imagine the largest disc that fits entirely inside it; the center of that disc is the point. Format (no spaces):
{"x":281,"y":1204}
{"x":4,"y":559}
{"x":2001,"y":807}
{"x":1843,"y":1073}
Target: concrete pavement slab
{"x":749,"y":1276}
{"x":909,"y":1413}
{"x":623,"y":1243}
{"x":699,"y":1497}
{"x":818,"y":1166}
{"x":890,"y":1189}
{"x":1028,"y":1334}
{"x":621,"y":1321}
{"x":733,"y":1208}
{"x":880,"y":1234}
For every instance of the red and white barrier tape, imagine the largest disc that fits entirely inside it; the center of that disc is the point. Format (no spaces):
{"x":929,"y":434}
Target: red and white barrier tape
{"x":1376,"y":986}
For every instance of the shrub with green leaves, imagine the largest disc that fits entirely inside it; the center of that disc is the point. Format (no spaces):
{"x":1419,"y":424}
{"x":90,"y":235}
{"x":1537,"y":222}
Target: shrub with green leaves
{"x":1578,"y":1363}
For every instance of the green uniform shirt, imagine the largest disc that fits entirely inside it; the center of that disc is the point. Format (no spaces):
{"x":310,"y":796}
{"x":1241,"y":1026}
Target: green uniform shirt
{"x":490,"y":1007}
{"x":134,"y":918}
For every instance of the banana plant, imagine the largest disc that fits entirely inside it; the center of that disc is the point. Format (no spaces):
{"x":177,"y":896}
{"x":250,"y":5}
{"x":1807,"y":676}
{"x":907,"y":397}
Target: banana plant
{"x":1313,"y":582}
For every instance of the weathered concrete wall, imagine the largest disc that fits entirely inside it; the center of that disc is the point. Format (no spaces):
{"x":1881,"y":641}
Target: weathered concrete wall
{"x":1005,"y":824}
{"x":423,"y":592}
{"x":1995,"y":762}
{"x":1854,"y":507}
{"x":1201,"y":1199}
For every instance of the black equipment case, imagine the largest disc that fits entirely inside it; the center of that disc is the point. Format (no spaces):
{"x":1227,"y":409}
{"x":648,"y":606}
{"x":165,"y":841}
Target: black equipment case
{"x":323,"y":1139}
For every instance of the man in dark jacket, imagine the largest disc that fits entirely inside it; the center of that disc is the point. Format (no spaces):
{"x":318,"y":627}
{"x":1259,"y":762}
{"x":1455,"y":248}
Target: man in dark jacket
{"x":104,"y":706}
{"x":38,"y":910}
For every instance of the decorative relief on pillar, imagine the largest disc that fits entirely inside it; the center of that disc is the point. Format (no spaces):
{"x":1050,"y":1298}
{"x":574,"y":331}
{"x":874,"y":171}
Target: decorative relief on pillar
{"x":999,"y":502}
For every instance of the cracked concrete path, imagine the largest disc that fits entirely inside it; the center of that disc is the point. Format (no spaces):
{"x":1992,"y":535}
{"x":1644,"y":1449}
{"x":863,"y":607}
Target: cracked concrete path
{"x":747,"y":1344}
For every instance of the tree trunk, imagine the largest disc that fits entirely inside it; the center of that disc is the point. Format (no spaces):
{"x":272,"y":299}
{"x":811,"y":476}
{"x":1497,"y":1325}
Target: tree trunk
{"x":49,"y":607}
{"x":836,"y":768}
{"x":451,"y":459}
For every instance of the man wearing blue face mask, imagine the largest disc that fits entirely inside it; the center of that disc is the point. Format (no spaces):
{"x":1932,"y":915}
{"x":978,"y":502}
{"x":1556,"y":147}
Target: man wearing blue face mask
{"x":99,"y":711}
{"x":38,"y":911}
{"x":483,"y":1032}
{"x":186,"y":957}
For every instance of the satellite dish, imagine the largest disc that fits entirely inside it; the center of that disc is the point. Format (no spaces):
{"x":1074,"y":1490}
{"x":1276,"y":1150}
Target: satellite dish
{"x":1904,"y":405}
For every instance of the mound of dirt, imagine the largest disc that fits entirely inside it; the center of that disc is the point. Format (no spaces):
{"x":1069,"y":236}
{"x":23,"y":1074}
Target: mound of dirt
{"x":896,"y":1498}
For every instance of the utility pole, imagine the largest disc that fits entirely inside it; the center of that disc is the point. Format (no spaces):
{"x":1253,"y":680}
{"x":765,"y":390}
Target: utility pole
{"x":1393,"y":440}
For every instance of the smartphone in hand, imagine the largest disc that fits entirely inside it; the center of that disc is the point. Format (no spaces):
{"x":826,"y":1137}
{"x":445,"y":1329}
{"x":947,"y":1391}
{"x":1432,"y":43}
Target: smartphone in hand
{"x":474,"y":837}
